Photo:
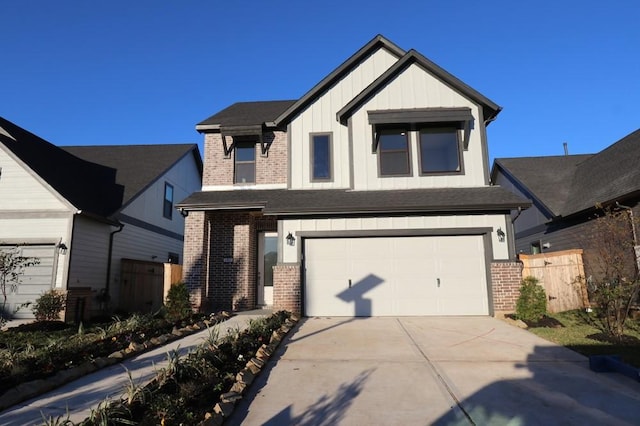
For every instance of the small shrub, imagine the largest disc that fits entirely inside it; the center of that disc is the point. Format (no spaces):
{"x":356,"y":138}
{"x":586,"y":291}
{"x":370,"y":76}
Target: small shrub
{"x":49,"y":305}
{"x":177,"y":304}
{"x":532,"y":303}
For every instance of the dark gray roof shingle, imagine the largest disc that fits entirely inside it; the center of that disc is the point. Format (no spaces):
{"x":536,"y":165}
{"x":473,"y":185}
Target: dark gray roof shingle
{"x":248,"y":113}
{"x":136,"y":166}
{"x":548,"y":179}
{"x":339,"y":201}
{"x":571,"y":184}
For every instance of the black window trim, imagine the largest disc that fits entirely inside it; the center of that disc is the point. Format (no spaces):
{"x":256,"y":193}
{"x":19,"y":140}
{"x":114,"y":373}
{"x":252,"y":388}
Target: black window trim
{"x":312,"y":178}
{"x":244,"y":143}
{"x":459,"y":144}
{"x":167,"y":212}
{"x":408,"y":138}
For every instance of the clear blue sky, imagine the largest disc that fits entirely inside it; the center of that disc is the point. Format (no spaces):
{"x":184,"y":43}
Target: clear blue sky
{"x":146,"y":71}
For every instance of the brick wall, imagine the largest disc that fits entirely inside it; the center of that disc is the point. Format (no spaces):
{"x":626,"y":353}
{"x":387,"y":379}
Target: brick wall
{"x":194,"y":263}
{"x":505,"y":279}
{"x":218,"y":170}
{"x":286,"y":288}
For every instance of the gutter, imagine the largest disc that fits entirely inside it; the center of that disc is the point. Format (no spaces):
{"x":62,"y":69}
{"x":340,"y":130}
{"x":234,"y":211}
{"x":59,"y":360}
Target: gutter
{"x":105,"y":291}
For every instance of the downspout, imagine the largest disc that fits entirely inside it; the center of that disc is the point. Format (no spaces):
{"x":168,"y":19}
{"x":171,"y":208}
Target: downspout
{"x":106,"y":286}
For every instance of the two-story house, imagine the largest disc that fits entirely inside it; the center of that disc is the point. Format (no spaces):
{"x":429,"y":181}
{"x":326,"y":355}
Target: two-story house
{"x":368,"y":196}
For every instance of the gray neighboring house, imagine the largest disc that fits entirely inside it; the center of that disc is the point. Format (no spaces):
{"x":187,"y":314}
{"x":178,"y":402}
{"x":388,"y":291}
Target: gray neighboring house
{"x":81,"y":210}
{"x":565,"y":191}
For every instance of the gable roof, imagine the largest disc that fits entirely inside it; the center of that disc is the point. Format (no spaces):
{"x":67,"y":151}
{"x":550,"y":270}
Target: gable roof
{"x":126,"y":160}
{"x":377,"y":43}
{"x":340,"y":201}
{"x":610,"y":175}
{"x":89,"y":187}
{"x":569,"y":185}
{"x":490,"y":109}
{"x":547,"y":180}
{"x":245,"y":114}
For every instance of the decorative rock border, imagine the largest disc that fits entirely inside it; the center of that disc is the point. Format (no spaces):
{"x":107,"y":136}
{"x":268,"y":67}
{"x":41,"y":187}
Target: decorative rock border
{"x":223,"y":409}
{"x":31,"y":389}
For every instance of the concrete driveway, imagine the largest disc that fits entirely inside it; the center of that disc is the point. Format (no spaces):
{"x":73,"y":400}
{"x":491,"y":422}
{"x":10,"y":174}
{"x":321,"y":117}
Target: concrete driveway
{"x":443,"y":371}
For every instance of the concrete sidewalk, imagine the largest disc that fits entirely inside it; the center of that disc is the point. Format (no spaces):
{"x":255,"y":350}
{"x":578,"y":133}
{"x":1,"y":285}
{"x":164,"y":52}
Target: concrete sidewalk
{"x":80,"y":396}
{"x":431,"y":371}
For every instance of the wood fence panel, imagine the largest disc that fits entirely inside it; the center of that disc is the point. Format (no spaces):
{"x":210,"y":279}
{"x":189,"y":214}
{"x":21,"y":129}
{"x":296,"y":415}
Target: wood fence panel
{"x":561,"y":274}
{"x":172,"y":275}
{"x":142,"y":285}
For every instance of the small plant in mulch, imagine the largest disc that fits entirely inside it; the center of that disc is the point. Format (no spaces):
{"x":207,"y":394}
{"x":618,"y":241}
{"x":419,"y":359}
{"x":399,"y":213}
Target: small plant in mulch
{"x":188,"y":388}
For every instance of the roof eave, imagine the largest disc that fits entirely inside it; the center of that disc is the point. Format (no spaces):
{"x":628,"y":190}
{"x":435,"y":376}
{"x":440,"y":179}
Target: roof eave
{"x":204,"y":128}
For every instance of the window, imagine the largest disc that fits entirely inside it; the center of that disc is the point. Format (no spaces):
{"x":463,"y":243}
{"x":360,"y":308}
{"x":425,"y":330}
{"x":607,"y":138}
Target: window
{"x":439,"y":150}
{"x":321,"y":157}
{"x":393,"y":152}
{"x":245,"y":171}
{"x":167,"y":207}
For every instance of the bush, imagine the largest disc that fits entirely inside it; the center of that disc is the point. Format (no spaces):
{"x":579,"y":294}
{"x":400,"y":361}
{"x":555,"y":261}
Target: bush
{"x":177,"y":304}
{"x":49,"y":305}
{"x":532,"y":303}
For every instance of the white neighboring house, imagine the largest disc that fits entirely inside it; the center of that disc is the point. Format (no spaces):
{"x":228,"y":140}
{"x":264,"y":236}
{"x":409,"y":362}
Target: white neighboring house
{"x":368,"y":196}
{"x":81,"y":210}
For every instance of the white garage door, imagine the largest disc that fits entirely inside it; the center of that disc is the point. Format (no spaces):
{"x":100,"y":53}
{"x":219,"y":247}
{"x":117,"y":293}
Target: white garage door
{"x":35,"y":281}
{"x":389,"y":276}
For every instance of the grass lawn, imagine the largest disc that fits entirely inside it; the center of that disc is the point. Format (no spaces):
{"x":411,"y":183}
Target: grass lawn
{"x":583,"y":333}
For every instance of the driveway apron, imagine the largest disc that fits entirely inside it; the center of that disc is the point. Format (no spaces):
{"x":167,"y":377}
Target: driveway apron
{"x":431,"y":370}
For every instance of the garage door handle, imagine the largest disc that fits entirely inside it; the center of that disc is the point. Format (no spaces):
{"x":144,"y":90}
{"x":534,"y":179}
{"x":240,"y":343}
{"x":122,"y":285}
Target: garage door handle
{"x":349,"y":283}
{"x":438,"y":280}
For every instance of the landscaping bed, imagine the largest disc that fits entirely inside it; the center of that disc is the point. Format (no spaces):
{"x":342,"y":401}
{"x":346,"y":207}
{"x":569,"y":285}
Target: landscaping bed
{"x":582,"y":332}
{"x":44,"y":349}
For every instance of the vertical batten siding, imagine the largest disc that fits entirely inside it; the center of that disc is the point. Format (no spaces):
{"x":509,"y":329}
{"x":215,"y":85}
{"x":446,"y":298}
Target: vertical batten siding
{"x":414,"y":88}
{"x":500,"y":250}
{"x":320,"y":116}
{"x":21,"y":190}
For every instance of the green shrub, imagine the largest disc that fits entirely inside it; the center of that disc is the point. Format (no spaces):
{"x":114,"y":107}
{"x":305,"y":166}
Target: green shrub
{"x":532,"y":303}
{"x":177,"y":304}
{"x":49,"y":305}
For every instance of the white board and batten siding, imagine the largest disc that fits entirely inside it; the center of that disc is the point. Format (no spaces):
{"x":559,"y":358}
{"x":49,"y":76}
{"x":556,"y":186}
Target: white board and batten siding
{"x":320,"y":117}
{"x":415,"y":88}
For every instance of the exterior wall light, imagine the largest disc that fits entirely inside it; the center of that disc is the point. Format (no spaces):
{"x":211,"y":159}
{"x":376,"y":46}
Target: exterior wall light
{"x":291,"y":240}
{"x":501,"y":235}
{"x":62,"y":248}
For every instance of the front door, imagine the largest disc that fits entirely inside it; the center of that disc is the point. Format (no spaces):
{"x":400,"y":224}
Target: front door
{"x":267,"y":259}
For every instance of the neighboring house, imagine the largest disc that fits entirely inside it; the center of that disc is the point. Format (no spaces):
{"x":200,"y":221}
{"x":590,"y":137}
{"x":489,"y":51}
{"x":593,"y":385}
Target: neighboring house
{"x":81,"y":210}
{"x":565,"y":191}
{"x":367,"y":196}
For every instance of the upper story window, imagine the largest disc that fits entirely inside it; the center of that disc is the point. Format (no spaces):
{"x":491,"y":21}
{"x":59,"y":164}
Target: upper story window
{"x":393,"y":152}
{"x":439,"y":150}
{"x":245,"y":162}
{"x":321,"y":157}
{"x":167,"y":206}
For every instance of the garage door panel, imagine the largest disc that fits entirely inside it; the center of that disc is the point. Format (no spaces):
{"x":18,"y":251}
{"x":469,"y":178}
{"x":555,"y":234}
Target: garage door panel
{"x":396,"y":276}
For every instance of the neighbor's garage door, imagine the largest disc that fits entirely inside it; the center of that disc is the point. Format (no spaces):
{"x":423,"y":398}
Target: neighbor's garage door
{"x":388,"y":276}
{"x":35,"y":281}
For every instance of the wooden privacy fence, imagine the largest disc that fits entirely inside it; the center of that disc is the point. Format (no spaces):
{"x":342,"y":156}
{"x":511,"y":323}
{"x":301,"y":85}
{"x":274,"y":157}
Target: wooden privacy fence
{"x":145,"y":284}
{"x":561,"y":273}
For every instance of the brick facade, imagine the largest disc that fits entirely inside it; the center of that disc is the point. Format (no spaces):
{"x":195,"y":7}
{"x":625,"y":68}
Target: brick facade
{"x":195,"y":257}
{"x":506,"y":277}
{"x":270,"y":169}
{"x":287,"y":293}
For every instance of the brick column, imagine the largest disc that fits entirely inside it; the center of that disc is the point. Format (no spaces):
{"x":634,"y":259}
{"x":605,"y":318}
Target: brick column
{"x":195,"y":253}
{"x":506,"y":278}
{"x":287,"y":293}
